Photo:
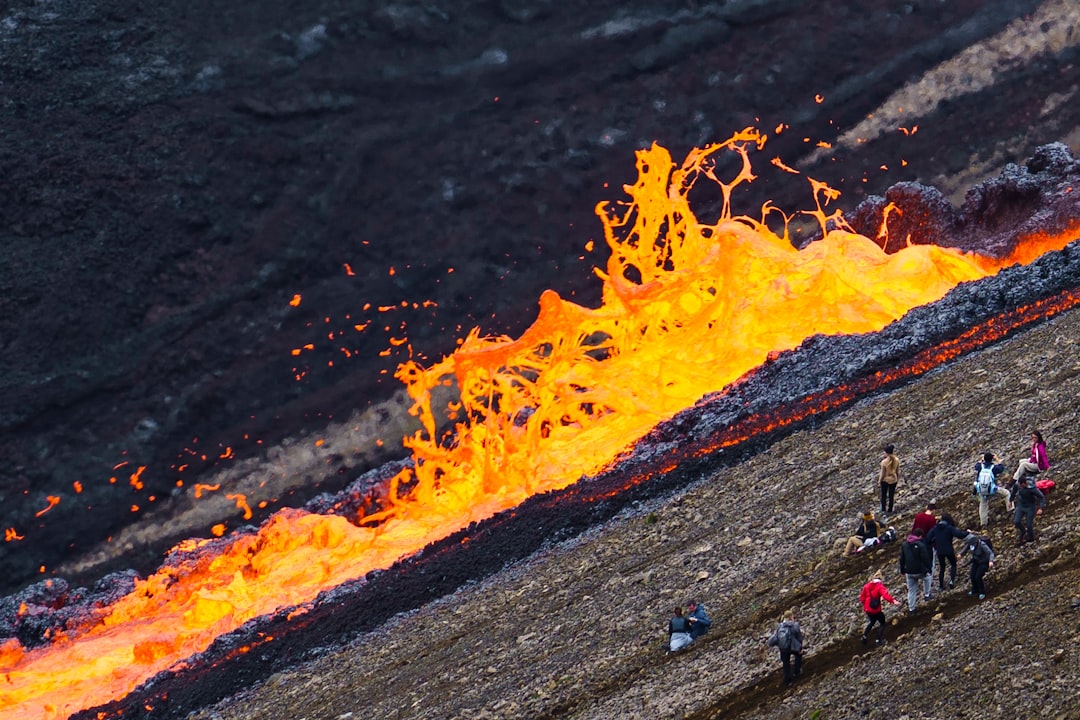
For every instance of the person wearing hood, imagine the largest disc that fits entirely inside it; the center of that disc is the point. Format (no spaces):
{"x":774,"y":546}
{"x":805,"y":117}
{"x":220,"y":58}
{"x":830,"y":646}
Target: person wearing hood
{"x":871,"y":597}
{"x":698,"y":619}
{"x":982,"y":559}
{"x":1029,"y":502}
{"x":914,"y":565}
{"x":941,"y":541}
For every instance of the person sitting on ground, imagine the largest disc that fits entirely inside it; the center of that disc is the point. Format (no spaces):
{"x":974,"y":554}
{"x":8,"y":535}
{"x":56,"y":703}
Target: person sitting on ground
{"x":1029,"y":501}
{"x":871,"y":595}
{"x":1037,"y":462}
{"x":869,"y":529}
{"x":982,"y":559}
{"x":941,"y":541}
{"x":698,"y":619}
{"x":678,"y":631}
{"x":788,"y":638}
{"x":986,"y":475}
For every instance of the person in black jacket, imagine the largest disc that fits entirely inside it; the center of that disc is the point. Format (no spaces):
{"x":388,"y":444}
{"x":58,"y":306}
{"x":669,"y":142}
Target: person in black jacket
{"x":1029,"y":502}
{"x":915,"y":565}
{"x":982,"y":559}
{"x":788,"y":638}
{"x":678,"y":631}
{"x":941,"y":541}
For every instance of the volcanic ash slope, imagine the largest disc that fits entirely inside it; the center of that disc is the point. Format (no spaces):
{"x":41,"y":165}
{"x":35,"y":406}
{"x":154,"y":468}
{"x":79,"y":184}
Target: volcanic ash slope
{"x":577,"y":630}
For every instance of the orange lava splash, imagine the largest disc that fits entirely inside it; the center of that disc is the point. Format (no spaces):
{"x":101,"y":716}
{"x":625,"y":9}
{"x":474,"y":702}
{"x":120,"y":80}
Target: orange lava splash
{"x":688,"y":307}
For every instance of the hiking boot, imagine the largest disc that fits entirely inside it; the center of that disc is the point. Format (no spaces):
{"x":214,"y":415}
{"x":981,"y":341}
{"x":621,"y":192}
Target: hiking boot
{"x":863,"y":639}
{"x":982,"y":596}
{"x":952,"y":584}
{"x":880,"y":641}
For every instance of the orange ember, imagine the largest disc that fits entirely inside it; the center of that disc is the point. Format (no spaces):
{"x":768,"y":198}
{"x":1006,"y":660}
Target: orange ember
{"x":688,"y":307}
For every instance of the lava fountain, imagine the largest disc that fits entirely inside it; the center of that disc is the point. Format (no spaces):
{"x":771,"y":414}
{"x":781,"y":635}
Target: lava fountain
{"x":690,"y":305}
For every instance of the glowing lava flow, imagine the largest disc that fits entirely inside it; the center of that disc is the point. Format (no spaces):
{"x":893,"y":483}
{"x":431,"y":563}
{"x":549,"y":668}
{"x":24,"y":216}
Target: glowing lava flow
{"x":687,"y":308}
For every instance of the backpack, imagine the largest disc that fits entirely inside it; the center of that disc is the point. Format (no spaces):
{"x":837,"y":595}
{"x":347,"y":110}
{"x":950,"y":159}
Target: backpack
{"x":783,"y":636}
{"x":986,"y":484}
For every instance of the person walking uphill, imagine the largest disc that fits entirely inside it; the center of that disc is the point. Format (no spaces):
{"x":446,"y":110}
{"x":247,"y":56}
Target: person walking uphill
{"x":788,"y":638}
{"x":871,"y":597}
{"x":982,"y":559}
{"x":914,"y":565}
{"x":941,"y":541}
{"x":888,"y":477}
{"x":1029,"y":501}
{"x":986,"y":475}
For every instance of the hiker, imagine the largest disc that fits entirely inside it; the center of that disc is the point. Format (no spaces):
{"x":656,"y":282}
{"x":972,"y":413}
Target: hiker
{"x":698,"y":619}
{"x":1037,"y":462}
{"x":871,"y":595}
{"x":1029,"y":501}
{"x":982,"y":559}
{"x":888,"y":477}
{"x":869,"y":530}
{"x":925,"y":521}
{"x":914,"y":566}
{"x":678,"y":631}
{"x":941,"y":540}
{"x":788,"y":638}
{"x":986,"y":475}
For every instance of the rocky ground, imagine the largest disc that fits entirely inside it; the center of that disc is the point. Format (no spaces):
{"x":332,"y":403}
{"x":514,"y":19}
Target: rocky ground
{"x":577,"y":630}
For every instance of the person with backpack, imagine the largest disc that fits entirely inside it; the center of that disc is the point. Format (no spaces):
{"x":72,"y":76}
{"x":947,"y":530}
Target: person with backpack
{"x":941,"y":541}
{"x":982,"y":559}
{"x":1037,"y":462}
{"x":698,"y":619}
{"x":871,"y":597}
{"x":678,"y":631}
{"x":915,"y":565}
{"x":986,"y":486}
{"x":788,"y":639}
{"x":1029,"y":501}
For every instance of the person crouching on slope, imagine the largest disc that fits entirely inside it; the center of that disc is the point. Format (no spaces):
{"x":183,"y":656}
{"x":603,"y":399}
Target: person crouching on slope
{"x":678,"y":631}
{"x":871,"y":597}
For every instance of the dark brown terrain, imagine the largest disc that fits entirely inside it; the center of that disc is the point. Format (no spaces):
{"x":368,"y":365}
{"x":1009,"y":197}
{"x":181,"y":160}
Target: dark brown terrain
{"x":173,"y":175}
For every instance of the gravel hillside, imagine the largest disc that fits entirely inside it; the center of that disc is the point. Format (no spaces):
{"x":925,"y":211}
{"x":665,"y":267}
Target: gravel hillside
{"x":577,"y":630}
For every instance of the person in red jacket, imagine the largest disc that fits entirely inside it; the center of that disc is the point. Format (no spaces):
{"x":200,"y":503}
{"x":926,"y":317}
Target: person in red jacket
{"x":871,"y":597}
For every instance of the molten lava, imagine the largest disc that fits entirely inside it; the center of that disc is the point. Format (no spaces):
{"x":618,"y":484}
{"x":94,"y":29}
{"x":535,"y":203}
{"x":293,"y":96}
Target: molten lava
{"x":688,"y":307}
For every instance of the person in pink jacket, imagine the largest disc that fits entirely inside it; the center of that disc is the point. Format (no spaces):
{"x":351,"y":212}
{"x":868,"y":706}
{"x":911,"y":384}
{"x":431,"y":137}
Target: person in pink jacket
{"x":872,"y":595}
{"x":1038,"y":462}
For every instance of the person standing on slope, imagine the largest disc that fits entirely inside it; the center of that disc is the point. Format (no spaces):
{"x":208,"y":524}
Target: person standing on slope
{"x":871,"y":596}
{"x":888,"y":477}
{"x":914,"y":565}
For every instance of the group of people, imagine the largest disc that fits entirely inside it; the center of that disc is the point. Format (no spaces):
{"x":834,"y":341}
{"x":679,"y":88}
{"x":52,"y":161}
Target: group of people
{"x":928,"y":548}
{"x":1024,"y":497}
{"x":685,"y":627}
